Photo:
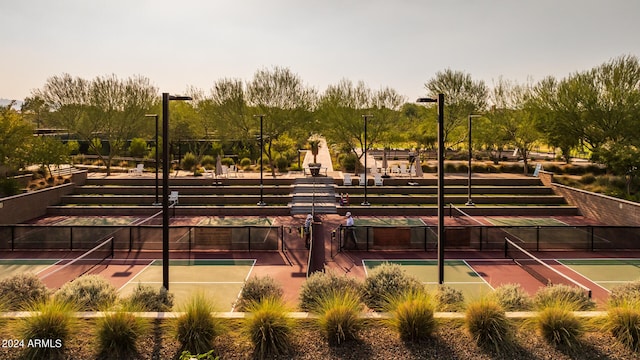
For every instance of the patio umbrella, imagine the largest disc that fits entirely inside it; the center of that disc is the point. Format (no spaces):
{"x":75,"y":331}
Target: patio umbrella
{"x":219,"y":166}
{"x":385,"y":164}
{"x":418,"y":165}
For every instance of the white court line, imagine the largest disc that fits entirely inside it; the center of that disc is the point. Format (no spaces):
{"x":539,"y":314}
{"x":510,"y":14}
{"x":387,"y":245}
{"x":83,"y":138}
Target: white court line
{"x":195,"y":282}
{"x":233,"y":306}
{"x":136,"y":275}
{"x":584,"y":276}
{"x":475,"y":272}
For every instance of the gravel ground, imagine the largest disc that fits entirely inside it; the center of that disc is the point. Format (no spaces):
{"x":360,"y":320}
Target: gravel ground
{"x":375,"y":341}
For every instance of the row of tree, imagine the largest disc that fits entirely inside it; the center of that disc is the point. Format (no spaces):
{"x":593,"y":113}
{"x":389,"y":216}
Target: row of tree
{"x":597,"y":110}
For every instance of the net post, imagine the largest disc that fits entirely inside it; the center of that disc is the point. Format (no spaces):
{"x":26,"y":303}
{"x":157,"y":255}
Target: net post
{"x":71,"y":238}
{"x":538,"y":238}
{"x":506,"y":248}
{"x":113,"y":245}
{"x":589,"y":293}
{"x":425,"y":238}
{"x":249,"y":242}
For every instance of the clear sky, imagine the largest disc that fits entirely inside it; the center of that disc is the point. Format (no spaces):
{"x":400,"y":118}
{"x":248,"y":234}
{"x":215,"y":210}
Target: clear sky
{"x":395,"y":43}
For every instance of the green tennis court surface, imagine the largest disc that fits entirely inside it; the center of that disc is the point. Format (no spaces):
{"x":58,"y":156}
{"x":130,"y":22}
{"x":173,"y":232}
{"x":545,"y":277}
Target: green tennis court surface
{"x":220,"y":280}
{"x":388,"y":222}
{"x":517,"y":221}
{"x":458,"y":275}
{"x":608,"y":273}
{"x":11,"y":267}
{"x":237,"y":221}
{"x":97,"y":221}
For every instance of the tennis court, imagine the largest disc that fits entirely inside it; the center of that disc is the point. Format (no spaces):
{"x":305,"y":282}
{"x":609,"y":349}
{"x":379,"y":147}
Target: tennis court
{"x":524,"y":221}
{"x":458,"y":274}
{"x":11,"y":267}
{"x":386,"y":221}
{"x":219,"y":280}
{"x":607,"y":273}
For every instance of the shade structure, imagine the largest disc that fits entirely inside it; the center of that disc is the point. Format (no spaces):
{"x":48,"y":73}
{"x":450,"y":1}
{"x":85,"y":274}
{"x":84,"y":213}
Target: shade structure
{"x":418,"y":166}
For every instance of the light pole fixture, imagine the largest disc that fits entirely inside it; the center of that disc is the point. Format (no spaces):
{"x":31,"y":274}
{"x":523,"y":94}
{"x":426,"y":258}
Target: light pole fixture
{"x":469,"y":201}
{"x":365,"y":202}
{"x":261,"y":202}
{"x":441,"y":234}
{"x":165,"y":184}
{"x":157,"y":202}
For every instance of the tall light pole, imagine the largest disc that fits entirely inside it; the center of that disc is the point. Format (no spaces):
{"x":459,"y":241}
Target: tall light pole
{"x":365,"y":202}
{"x":441,"y":234}
{"x":165,"y":184}
{"x":469,"y":201}
{"x":261,"y":202}
{"x":157,"y":157}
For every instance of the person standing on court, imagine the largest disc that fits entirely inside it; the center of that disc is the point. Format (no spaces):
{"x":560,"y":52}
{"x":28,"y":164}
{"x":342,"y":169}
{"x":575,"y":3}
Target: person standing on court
{"x":349,"y":233}
{"x":307,"y":230}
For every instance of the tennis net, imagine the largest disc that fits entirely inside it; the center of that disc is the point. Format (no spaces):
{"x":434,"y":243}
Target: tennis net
{"x":462,"y":217}
{"x":85,"y":262}
{"x":537,"y":268}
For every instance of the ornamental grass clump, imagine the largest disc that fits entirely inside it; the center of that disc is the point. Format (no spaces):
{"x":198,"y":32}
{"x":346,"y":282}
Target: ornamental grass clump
{"x":412,"y":315}
{"x":571,"y":297}
{"x":512,"y":297}
{"x":118,"y":333}
{"x":623,"y":322}
{"x":258,"y":288}
{"x":387,"y":281}
{"x":339,"y":316}
{"x":269,"y":327}
{"x":488,"y":325}
{"x":320,"y":283}
{"x":46,"y":334}
{"x":21,"y":290}
{"x":88,"y":292}
{"x":197,"y":328}
{"x":559,"y":326}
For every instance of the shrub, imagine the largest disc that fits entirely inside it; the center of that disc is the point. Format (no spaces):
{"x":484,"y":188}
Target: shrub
{"x":269,"y":327}
{"x":22,"y":290}
{"x":588,"y":179}
{"x":559,"y":326}
{"x":512,"y":297}
{"x":349,"y":162}
{"x":624,"y":324}
{"x":245,"y":162}
{"x":197,"y":328}
{"x":146,"y":298}
{"x":256,"y":289}
{"x":448,"y":299}
{"x":208,"y":160}
{"x":9,"y":187}
{"x":412,"y":315}
{"x":623,"y":294}
{"x":118,"y":333}
{"x":282,"y":163}
{"x":571,"y":297}
{"x":138,"y":147}
{"x":385,"y":282}
{"x":189,"y":161}
{"x":488,"y":325}
{"x":229,"y":161}
{"x":88,"y":292}
{"x":339,"y":316}
{"x":321,"y":283}
{"x":53,"y":320}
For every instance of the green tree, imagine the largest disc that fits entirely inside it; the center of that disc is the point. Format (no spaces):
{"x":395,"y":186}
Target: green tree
{"x":47,"y":151}
{"x":106,"y":106}
{"x":513,"y":118}
{"x":463,"y":96}
{"x":15,"y":136}
{"x":286,"y":102}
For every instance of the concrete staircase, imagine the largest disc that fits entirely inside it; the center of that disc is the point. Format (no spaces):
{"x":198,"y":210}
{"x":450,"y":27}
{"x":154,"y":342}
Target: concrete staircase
{"x":313,"y":195}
